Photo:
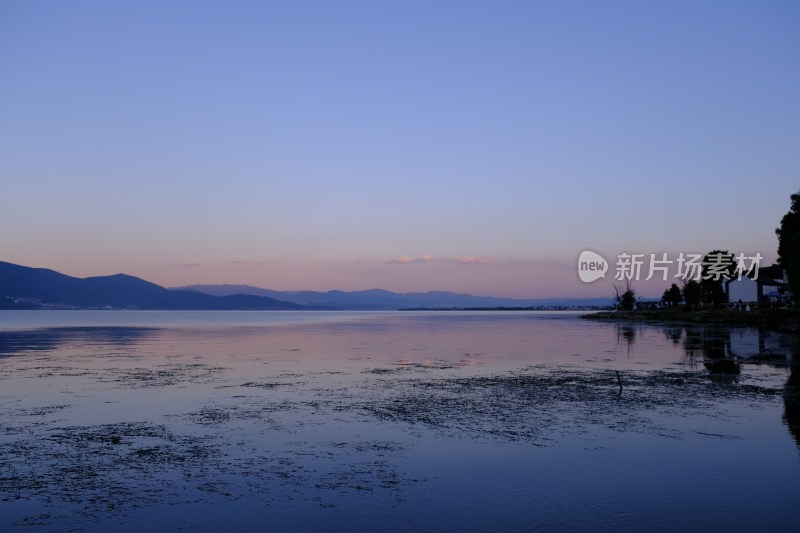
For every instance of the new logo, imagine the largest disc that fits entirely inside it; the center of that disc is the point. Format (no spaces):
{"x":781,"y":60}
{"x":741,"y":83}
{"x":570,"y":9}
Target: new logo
{"x":591,"y":266}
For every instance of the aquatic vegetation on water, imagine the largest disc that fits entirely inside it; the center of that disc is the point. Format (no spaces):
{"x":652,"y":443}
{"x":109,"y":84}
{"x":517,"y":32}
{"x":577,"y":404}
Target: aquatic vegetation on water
{"x":182,"y":434}
{"x":540,"y":404}
{"x":102,"y":469}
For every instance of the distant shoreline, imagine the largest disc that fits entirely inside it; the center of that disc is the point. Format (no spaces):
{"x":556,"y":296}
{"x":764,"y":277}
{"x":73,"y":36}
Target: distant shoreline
{"x":782,"y":320}
{"x":537,"y":308}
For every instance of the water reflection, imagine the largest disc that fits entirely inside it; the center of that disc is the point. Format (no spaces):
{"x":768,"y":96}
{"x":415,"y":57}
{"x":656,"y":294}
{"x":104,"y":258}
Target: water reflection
{"x":626,"y":334}
{"x":21,"y":342}
{"x":714,"y":347}
{"x":791,"y":403}
{"x":720,"y":350}
{"x":673,"y":334}
{"x":724,"y":350}
{"x":400,"y":418}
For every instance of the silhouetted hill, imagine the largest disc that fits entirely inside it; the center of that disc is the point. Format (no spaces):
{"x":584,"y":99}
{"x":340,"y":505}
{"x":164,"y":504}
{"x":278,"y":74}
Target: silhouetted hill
{"x":380,"y":299}
{"x":34,"y":288}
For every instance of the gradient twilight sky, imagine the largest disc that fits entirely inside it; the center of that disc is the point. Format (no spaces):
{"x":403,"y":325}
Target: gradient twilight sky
{"x":436,"y":145}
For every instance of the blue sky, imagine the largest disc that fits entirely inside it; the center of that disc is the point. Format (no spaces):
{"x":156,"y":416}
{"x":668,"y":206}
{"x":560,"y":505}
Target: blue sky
{"x":331,"y":145}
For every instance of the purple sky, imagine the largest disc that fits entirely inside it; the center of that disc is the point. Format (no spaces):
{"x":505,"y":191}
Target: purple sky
{"x":467,"y":146}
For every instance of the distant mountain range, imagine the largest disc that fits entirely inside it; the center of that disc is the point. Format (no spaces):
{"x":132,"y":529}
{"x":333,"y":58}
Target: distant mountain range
{"x":23,"y":287}
{"x":39,"y":288}
{"x":379,"y":299}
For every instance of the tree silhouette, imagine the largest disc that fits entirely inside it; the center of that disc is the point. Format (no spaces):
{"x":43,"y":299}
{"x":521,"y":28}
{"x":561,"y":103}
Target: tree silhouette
{"x":692,"y":294}
{"x":625,"y":299}
{"x":789,"y":244}
{"x":672,"y":296}
{"x":718,"y":265}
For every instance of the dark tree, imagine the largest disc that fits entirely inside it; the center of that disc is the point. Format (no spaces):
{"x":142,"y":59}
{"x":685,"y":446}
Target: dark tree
{"x":692,"y":294}
{"x":718,"y":266}
{"x":626,"y":299}
{"x":672,"y":296}
{"x":789,"y":245}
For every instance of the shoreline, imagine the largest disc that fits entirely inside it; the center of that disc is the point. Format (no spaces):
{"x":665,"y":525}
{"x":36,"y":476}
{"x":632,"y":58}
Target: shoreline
{"x":781,"y":320}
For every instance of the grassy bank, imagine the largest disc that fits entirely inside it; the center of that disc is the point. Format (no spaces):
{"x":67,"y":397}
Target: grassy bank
{"x":786,"y":320}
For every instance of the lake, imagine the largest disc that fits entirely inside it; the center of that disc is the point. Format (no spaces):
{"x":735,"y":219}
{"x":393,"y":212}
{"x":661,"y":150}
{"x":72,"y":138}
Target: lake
{"x":393,"y":421}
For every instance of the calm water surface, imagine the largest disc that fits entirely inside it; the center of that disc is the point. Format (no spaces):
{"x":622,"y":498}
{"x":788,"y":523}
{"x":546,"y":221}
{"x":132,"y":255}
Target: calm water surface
{"x":232,"y":421}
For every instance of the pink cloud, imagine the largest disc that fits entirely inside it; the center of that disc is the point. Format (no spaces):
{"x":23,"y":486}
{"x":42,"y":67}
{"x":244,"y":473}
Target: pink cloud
{"x":469,"y":260}
{"x":249,"y":262}
{"x":464,"y":260}
{"x":555,"y":264}
{"x":405,"y":260}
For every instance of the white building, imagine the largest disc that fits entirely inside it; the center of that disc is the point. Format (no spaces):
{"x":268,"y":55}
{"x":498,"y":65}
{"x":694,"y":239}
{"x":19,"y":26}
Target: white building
{"x":761,"y":290}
